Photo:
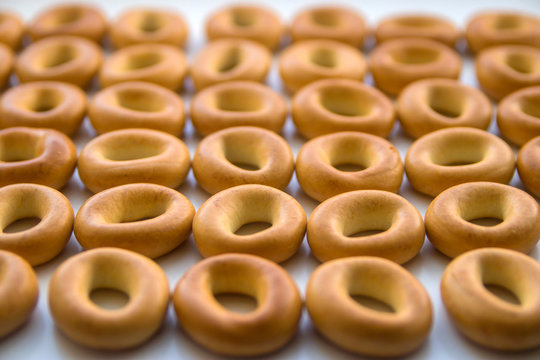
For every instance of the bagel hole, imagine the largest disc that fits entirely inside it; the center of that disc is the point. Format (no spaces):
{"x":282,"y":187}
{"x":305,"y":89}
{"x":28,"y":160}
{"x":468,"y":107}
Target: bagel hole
{"x":521,"y":63}
{"x":143,"y":60}
{"x":20,"y":148}
{"x":349,"y":167}
{"x":244,"y":17}
{"x":43,"y":100}
{"x":507,"y":22}
{"x":252,"y":228}
{"x":503,"y":293}
{"x":345,"y":102}
{"x":239,"y":100}
{"x":140,"y":100}
{"x":530,"y":105}
{"x":366,"y":233}
{"x":238,"y":303}
{"x":486,"y":221}
{"x":484,"y":208}
{"x":68,"y":15}
{"x":325,"y":18}
{"x":458,"y":152}
{"x":151,"y":22}
{"x":415,"y":55}
{"x":324,"y":58}
{"x":416,"y":21}
{"x":109,"y":299}
{"x":242,"y":153}
{"x":131,"y":151}
{"x":21,"y":225}
{"x":59,"y":55}
{"x":141,"y":209}
{"x":367,"y":220}
{"x":351,"y":156}
{"x":447,"y":101}
{"x":372,"y":303}
{"x":230,"y":60}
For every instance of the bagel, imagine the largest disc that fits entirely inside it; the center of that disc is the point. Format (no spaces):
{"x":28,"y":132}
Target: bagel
{"x":6,"y":64}
{"x":528,"y":165}
{"x":11,"y":30}
{"x":518,"y":115}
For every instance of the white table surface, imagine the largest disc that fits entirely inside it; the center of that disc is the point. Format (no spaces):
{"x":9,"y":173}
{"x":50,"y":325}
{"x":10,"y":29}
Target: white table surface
{"x":39,"y":339}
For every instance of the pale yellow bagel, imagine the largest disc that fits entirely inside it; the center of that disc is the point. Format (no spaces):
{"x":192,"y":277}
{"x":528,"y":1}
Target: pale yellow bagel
{"x":449,"y":218}
{"x":354,"y":327}
{"x":11,"y":30}
{"x":267,"y":328}
{"x":518,"y":115}
{"x":528,"y":165}
{"x":48,"y":238}
{"x":218,"y":160}
{"x":84,"y":322}
{"x":18,"y":292}
{"x":218,"y":219}
{"x":333,"y":224}
{"x":133,"y":156}
{"x":483,"y":317}
{"x":457,"y":155}
{"x":146,"y":218}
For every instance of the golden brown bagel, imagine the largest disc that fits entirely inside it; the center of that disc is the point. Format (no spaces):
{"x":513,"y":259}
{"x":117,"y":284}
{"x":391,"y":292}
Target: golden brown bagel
{"x":133,"y":156}
{"x":249,"y":22}
{"x":59,"y":58}
{"x":11,"y":30}
{"x":309,"y":60}
{"x":81,"y":320}
{"x":6,"y":64}
{"x":230,"y":59}
{"x":428,"y":105}
{"x":145,"y":25}
{"x":453,"y":156}
{"x":501,"y":28}
{"x":160,"y":64}
{"x":267,"y":328}
{"x":504,"y":69}
{"x":39,"y":156}
{"x":146,"y":218}
{"x":137,"y":104}
{"x":336,"y":163}
{"x":528,"y":165}
{"x":449,"y":218}
{"x":237,"y":103}
{"x":71,"y":19}
{"x":44,"y":104}
{"x":333,"y":225}
{"x":330,"y":22}
{"x":360,"y":329}
{"x":396,"y":63}
{"x":218,"y":219}
{"x":483,"y":317}
{"x":518,"y":115}
{"x":18,"y":292}
{"x":242,"y":155}
{"x":332,"y":105}
{"x":48,"y":238}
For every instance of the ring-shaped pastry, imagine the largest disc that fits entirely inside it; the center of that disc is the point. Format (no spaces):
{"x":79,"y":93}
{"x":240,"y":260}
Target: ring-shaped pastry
{"x":69,"y":59}
{"x":358,"y":328}
{"x":11,"y":30}
{"x":220,"y":217}
{"x":450,"y":218}
{"x":333,"y":105}
{"x":343,"y":226}
{"x":146,"y":218}
{"x":483,"y":317}
{"x":137,"y":104}
{"x":336,"y":163}
{"x":330,"y":22}
{"x":242,"y":155}
{"x":230,"y":59}
{"x":71,"y":19}
{"x":309,"y":60}
{"x":6,"y":64}
{"x":133,"y":156}
{"x":44,"y":104}
{"x":249,"y":22}
{"x":417,"y":26}
{"x":144,"y":25}
{"x":160,"y":64}
{"x":503,"y":69}
{"x":265,"y":329}
{"x":84,"y":322}
{"x":453,"y":156}
{"x":38,"y":156}
{"x":237,"y":103}
{"x":528,"y":165}
{"x":19,"y":292}
{"x":488,"y":29}
{"x":428,"y":105}
{"x":397,"y":63}
{"x":48,"y":238}
{"x":518,"y":115}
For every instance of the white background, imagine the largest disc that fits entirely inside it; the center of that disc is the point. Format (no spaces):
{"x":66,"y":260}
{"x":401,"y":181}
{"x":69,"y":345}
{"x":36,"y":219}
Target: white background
{"x":39,"y":338}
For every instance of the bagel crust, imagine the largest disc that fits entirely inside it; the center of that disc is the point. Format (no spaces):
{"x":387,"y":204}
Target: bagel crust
{"x":485,"y":318}
{"x":450,"y":230}
{"x":528,"y":165}
{"x":84,"y":322}
{"x":11,"y":30}
{"x":218,"y":219}
{"x":360,"y":329}
{"x":6,"y":64}
{"x":518,"y":117}
{"x":267,"y":328}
